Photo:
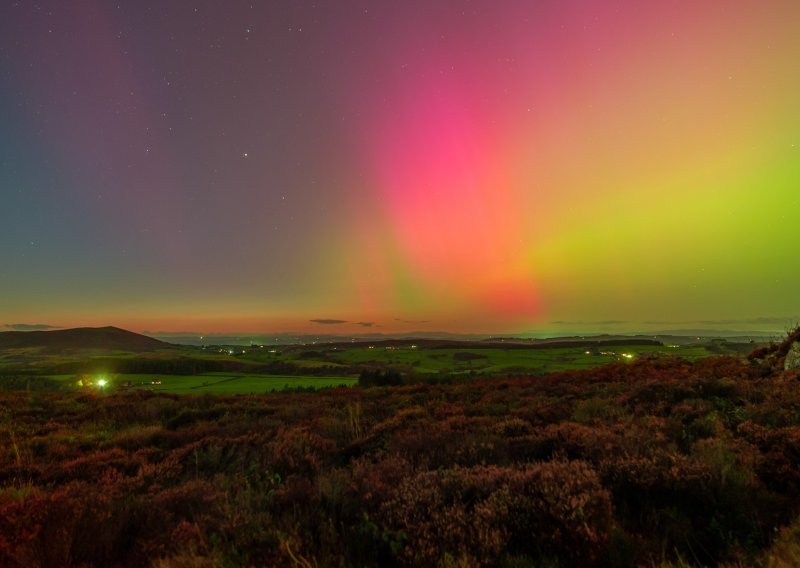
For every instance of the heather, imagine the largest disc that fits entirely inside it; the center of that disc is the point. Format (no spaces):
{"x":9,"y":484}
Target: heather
{"x":656,"y":462}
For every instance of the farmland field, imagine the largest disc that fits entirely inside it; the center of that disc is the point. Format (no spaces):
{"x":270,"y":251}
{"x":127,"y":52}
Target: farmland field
{"x":259,"y":369}
{"x":218,"y":383}
{"x":498,"y":360}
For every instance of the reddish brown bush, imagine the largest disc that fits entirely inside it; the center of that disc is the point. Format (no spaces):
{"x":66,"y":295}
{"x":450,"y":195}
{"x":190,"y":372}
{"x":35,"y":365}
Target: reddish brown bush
{"x":478,"y":514}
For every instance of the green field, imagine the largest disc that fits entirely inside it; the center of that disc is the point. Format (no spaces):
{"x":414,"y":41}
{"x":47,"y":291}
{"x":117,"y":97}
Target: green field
{"x":219,"y":383}
{"x":494,"y":361}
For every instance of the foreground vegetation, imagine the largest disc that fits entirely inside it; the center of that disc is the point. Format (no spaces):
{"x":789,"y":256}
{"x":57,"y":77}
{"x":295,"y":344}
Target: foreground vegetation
{"x":657,"y":461}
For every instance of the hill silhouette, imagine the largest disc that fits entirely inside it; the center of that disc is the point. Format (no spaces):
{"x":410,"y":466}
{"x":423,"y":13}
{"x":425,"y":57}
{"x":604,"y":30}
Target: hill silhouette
{"x":105,"y":338}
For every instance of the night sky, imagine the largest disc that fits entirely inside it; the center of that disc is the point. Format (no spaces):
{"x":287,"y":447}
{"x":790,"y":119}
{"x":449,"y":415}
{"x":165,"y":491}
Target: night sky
{"x":470,"y":166}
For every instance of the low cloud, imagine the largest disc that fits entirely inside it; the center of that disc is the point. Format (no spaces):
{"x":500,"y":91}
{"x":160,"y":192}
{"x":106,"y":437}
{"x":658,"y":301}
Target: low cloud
{"x":366,"y":323}
{"x":579,"y":322}
{"x":328,"y":321}
{"x":766,"y":320}
{"x":147,"y":332}
{"x":761,"y":320}
{"x":30,"y":326}
{"x":740,"y":321}
{"x":411,"y":321}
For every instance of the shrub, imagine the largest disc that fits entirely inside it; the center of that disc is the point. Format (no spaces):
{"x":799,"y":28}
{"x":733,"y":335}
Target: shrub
{"x":480,"y":514}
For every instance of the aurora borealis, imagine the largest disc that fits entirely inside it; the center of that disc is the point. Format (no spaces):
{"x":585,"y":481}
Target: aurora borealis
{"x":469,"y":166}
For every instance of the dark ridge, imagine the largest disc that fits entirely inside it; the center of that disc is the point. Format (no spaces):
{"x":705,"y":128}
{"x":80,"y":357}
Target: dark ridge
{"x":105,"y":338}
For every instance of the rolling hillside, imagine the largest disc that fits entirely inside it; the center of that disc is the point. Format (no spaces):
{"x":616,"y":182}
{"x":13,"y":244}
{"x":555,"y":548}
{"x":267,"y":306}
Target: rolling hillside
{"x":104,"y":338}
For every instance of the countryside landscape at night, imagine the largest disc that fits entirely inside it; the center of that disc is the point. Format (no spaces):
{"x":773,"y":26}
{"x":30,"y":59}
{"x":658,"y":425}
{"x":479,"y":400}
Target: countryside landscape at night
{"x":453,"y":283}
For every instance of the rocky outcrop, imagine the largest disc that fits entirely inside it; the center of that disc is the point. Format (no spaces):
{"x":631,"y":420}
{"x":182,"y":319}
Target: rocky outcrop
{"x":792,"y":360}
{"x":774,"y":358}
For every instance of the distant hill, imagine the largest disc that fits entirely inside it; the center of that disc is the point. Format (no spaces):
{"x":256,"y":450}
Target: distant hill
{"x":105,"y":338}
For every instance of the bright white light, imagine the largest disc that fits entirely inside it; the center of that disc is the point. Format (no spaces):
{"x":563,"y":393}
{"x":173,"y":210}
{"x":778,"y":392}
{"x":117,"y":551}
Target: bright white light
{"x":102,"y":382}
